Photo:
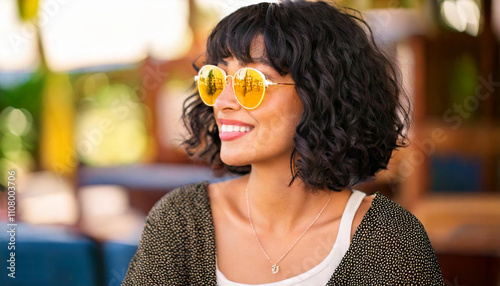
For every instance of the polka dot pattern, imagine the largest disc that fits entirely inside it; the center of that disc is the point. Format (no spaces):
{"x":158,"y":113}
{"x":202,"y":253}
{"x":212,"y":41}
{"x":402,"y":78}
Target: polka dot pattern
{"x":177,"y":246}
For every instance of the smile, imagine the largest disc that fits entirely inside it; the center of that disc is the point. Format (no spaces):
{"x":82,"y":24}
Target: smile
{"x":235,"y":128}
{"x":232,"y":129}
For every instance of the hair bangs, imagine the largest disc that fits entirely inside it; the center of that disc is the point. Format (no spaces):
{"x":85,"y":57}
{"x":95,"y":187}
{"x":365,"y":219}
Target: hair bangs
{"x":236,"y":35}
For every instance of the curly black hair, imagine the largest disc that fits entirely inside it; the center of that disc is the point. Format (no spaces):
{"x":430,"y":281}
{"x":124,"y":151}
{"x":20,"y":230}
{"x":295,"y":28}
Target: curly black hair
{"x":352,"y":95}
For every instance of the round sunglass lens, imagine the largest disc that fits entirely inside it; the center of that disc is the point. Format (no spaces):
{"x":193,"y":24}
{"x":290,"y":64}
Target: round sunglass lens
{"x":249,"y":87}
{"x":211,"y":82}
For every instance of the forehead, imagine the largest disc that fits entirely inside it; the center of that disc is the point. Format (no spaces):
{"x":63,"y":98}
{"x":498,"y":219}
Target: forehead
{"x":257,"y":49}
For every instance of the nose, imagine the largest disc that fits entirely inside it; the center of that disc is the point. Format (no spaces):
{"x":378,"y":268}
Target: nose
{"x":227,"y":100}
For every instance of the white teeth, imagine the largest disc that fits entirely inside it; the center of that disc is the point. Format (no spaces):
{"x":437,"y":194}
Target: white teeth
{"x":235,"y":128}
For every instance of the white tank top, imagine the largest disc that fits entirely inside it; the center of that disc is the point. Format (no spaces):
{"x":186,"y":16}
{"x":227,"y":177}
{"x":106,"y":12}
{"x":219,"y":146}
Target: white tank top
{"x":321,"y":273}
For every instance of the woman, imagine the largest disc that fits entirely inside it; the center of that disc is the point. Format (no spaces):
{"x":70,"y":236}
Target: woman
{"x":299,"y":100}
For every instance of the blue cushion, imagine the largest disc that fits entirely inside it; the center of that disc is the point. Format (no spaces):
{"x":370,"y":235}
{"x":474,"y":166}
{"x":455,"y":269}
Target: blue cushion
{"x":117,"y":256}
{"x":456,"y":172}
{"x":48,"y":255}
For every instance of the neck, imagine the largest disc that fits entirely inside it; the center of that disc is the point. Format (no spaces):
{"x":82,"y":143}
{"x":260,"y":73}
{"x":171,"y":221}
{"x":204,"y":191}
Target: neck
{"x":276,"y":205}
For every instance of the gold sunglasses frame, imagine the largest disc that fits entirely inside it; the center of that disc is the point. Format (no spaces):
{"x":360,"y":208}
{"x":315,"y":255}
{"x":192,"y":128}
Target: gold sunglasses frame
{"x":266,"y":82}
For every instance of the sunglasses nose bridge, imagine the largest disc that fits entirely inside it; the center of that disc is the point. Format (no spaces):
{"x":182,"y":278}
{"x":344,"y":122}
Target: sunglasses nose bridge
{"x":227,"y":98}
{"x":228,"y":83}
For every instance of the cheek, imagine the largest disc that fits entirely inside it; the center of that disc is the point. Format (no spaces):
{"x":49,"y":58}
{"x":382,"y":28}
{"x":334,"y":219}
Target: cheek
{"x":280,"y":126}
{"x":291,"y":115}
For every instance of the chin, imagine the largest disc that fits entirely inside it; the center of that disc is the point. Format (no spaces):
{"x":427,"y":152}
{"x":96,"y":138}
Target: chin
{"x":236,"y":154}
{"x":234,"y":160}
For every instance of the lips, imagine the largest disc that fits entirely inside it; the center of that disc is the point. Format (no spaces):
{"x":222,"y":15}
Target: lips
{"x":232,"y":129}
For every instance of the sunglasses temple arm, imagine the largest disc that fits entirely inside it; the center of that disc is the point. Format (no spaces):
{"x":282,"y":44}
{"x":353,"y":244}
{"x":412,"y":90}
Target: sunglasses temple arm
{"x":268,"y":83}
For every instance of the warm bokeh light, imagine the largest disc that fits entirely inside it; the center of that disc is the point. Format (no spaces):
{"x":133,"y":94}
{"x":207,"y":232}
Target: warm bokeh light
{"x":16,"y":126}
{"x":89,"y":33}
{"x":80,"y":34}
{"x":223,"y":8}
{"x":110,"y":128}
{"x":462,"y":15}
{"x":57,"y":125}
{"x":47,"y":198}
{"x":106,"y":220}
{"x":18,"y":48}
{"x":18,"y":121}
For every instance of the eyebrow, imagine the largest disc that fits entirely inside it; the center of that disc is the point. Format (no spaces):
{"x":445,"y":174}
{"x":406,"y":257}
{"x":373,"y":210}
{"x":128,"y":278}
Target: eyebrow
{"x":266,"y":62}
{"x":262,"y":60}
{"x":259,"y":60}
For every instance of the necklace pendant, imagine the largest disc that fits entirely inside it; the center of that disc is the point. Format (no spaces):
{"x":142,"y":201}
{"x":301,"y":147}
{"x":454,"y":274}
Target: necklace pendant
{"x":275,"y":268}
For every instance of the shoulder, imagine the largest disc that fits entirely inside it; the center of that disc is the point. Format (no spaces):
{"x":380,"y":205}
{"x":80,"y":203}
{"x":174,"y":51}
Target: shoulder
{"x":391,"y":218}
{"x":385,"y":221}
{"x":390,"y":246}
{"x":389,"y":223}
{"x":384,"y":211}
{"x":177,"y":240}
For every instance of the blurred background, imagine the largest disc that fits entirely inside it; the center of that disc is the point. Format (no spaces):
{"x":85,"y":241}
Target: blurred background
{"x":90,"y":99}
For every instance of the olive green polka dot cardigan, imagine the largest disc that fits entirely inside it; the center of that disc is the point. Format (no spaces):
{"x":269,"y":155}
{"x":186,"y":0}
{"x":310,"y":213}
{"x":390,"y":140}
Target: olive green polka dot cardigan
{"x":177,"y":247}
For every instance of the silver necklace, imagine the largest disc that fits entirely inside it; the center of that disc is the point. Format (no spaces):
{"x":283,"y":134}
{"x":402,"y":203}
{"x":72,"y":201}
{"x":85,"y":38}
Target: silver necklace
{"x":275,"y":268}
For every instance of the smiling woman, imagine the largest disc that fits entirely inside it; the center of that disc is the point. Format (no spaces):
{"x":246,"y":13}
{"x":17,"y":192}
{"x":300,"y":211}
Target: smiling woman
{"x":297,"y":98}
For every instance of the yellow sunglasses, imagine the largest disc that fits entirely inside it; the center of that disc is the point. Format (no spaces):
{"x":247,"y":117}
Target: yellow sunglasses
{"x":249,"y":85}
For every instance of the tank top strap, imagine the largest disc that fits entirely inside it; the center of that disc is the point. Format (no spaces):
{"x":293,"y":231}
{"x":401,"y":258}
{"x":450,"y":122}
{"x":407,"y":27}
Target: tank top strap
{"x":344,"y":233}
